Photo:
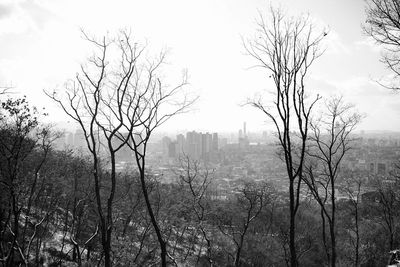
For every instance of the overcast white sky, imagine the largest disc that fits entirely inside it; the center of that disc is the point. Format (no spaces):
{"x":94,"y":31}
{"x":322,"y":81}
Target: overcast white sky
{"x":41,"y":47}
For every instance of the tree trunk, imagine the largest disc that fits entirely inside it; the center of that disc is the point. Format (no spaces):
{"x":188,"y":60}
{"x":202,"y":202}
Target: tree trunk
{"x":332,"y":223}
{"x":162,"y":243}
{"x":109,"y":222}
{"x":292,"y":230}
{"x":103,"y":223}
{"x":237,"y":256}
{"x":209,"y":249}
{"x":239,"y":248}
{"x":107,"y":256}
{"x":328,"y":256}
{"x":357,"y":236}
{"x":333,"y":244}
{"x":10,"y":257}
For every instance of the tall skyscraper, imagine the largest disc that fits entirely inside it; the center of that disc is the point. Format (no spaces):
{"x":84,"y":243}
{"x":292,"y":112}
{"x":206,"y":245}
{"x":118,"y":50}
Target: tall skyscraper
{"x":181,"y":146}
{"x":208,"y":142}
{"x":204,"y":144}
{"x":191,"y":144}
{"x":195,"y":145}
{"x":215,"y":142}
{"x":172,"y":153}
{"x":243,"y":139}
{"x":199,"y":146}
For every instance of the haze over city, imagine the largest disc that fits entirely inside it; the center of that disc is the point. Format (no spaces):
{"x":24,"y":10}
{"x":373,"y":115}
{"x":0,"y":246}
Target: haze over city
{"x":42,"y":47}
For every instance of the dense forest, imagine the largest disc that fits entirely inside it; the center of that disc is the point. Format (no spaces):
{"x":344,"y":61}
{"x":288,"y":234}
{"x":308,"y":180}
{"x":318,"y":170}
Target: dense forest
{"x":68,"y":207}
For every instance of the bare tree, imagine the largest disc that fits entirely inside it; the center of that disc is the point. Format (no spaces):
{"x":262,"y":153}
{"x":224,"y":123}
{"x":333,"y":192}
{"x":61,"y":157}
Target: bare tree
{"x":80,"y":197}
{"x":85,"y":101}
{"x":353,"y":191}
{"x":107,"y":91}
{"x":286,"y":48}
{"x":383,"y":25}
{"x":234,"y":223}
{"x":147,"y":104}
{"x":330,"y":141}
{"x":119,"y":102}
{"x":387,"y":208}
{"x":197,"y":180}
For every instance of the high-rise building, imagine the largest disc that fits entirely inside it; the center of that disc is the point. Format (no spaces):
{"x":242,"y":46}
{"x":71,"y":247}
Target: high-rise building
{"x":195,"y":145}
{"x":180,"y":144}
{"x":191,"y":144}
{"x":215,"y":142}
{"x":204,"y":145}
{"x":199,"y":146}
{"x":243,"y":139}
{"x":172,"y":153}
{"x":208,"y":142}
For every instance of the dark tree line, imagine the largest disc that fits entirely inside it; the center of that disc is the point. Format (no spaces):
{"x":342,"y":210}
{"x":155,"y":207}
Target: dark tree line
{"x":49,"y":212}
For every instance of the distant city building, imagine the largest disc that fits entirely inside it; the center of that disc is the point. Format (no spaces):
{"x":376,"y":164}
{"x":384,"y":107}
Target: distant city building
{"x":380,"y":168}
{"x":215,"y":142}
{"x":180,"y":144}
{"x":191,"y":144}
{"x":172,"y":149}
{"x":243,"y":138}
{"x":195,"y":145}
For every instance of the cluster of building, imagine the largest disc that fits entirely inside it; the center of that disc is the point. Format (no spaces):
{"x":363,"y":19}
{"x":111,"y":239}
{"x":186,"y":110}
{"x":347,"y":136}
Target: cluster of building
{"x":72,"y":139}
{"x":194,"y":145}
{"x":248,"y":156}
{"x":77,"y":141}
{"x":201,"y":146}
{"x":243,"y":137}
{"x":375,"y":156}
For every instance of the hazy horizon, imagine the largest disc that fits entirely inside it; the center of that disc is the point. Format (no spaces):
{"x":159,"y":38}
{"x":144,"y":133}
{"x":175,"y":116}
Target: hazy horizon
{"x":42,"y":48}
